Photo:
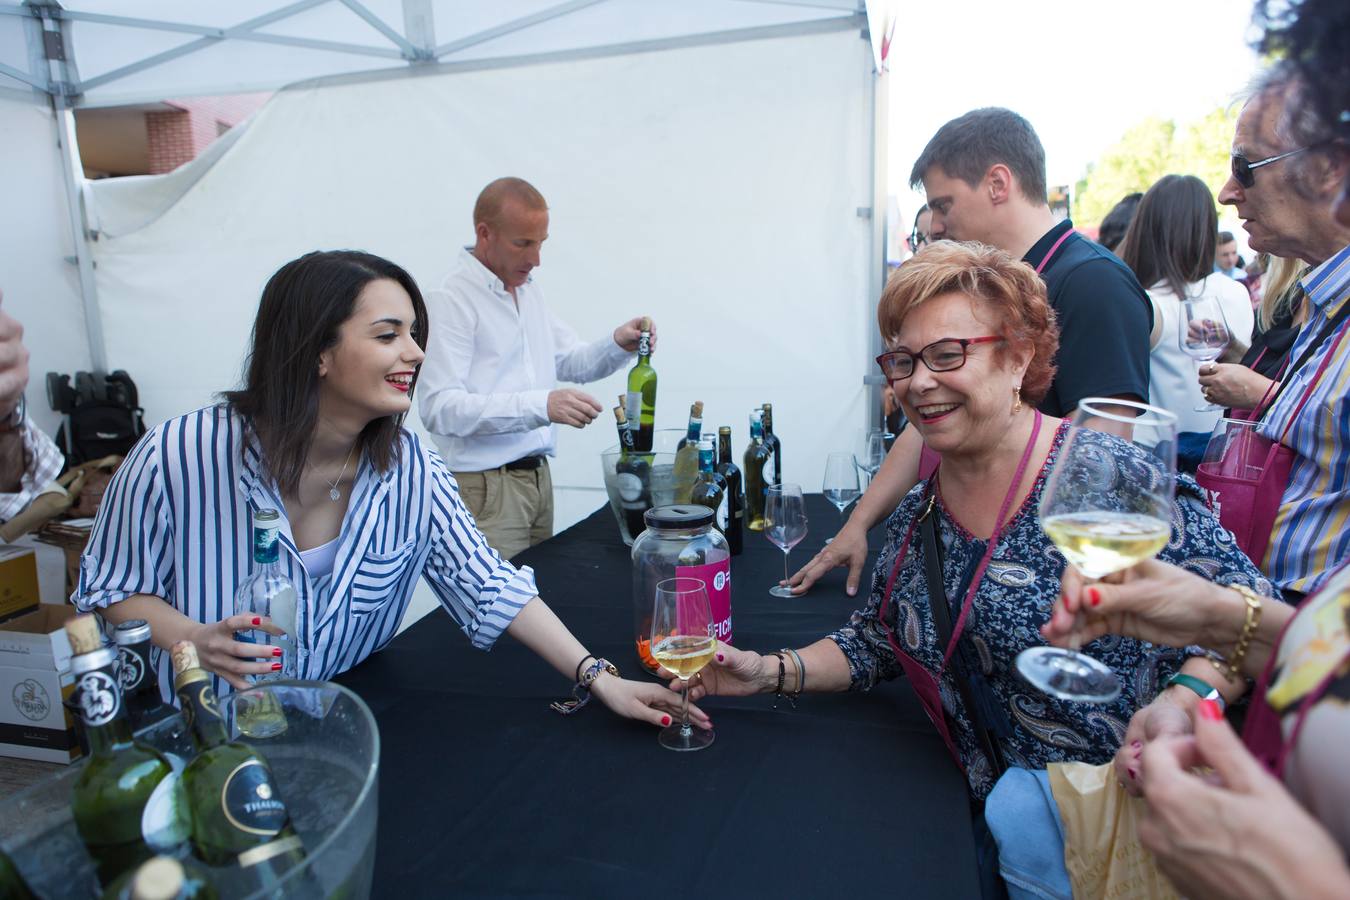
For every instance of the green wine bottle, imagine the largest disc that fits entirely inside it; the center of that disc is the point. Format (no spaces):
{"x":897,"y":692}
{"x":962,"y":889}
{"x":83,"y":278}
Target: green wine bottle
{"x":731,"y":474}
{"x":754,"y":462}
{"x":238,"y":815}
{"x":12,"y":885}
{"x":641,"y":398}
{"x":775,"y":473}
{"x":686,"y":454}
{"x":128,"y":803}
{"x":711,"y":489}
{"x":164,"y":878}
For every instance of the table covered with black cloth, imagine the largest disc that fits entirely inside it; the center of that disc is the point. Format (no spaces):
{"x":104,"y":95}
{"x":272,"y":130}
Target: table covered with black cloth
{"x":484,"y":791}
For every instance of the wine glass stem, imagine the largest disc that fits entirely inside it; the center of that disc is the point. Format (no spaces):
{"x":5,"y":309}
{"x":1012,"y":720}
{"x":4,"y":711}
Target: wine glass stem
{"x":685,"y":730}
{"x":786,"y":576}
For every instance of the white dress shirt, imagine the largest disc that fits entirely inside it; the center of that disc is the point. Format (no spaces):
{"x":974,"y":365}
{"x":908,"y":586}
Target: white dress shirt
{"x":492,"y":361}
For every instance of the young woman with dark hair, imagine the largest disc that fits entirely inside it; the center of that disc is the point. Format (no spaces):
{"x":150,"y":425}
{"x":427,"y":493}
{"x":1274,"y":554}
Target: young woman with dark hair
{"x":317,"y":434}
{"x":1170,"y":247}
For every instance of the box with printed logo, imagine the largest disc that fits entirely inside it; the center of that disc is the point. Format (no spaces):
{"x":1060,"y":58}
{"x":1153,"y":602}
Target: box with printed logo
{"x":34,"y":681}
{"x":18,"y":581}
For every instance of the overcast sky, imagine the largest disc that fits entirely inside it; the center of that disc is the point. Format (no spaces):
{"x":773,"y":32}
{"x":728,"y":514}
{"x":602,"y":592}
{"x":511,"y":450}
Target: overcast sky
{"x":1081,"y":72}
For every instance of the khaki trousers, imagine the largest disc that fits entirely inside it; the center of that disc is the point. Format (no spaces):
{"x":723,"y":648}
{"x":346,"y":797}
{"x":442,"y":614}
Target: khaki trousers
{"x":513,"y":507}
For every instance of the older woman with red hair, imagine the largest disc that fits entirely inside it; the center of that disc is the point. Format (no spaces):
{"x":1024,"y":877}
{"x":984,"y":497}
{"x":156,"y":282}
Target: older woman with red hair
{"x":971,"y":343}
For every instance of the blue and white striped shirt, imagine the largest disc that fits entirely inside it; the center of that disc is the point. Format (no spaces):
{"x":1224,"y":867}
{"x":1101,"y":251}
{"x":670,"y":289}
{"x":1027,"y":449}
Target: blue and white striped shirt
{"x":176,"y":522}
{"x":1312,"y":529}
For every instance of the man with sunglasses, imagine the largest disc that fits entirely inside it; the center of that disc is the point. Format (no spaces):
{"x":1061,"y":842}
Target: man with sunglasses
{"x":1287,"y":173}
{"x":984,"y":174}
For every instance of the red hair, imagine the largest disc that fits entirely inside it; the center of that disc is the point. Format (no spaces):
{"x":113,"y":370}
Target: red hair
{"x":1009,"y":289}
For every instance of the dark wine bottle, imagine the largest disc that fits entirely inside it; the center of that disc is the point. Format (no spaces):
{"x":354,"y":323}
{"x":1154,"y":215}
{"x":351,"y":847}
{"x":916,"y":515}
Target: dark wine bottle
{"x":238,"y":815}
{"x":775,"y":475}
{"x":711,"y":489}
{"x":731,"y":474}
{"x":686,"y":454}
{"x":128,"y":803}
{"x":633,"y":478}
{"x":12,"y":885}
{"x":641,"y":398}
{"x":753,"y":466}
{"x":153,"y":721}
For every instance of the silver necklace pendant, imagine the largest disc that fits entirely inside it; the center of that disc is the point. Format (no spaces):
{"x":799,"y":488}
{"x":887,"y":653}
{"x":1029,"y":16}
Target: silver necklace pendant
{"x":334,"y":494}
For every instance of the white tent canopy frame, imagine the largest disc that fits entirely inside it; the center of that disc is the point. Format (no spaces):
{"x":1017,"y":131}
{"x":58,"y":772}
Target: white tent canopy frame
{"x":92,"y":53}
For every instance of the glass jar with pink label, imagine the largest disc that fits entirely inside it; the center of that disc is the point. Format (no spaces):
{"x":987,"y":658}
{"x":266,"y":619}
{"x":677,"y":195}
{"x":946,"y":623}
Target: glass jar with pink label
{"x":679,"y":542}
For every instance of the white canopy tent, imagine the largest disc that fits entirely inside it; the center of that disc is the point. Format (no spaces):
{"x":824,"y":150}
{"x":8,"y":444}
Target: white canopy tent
{"x":715,"y":163}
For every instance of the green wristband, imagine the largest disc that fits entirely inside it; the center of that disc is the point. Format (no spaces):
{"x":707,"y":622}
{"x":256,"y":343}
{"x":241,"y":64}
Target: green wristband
{"x":1206,"y":690}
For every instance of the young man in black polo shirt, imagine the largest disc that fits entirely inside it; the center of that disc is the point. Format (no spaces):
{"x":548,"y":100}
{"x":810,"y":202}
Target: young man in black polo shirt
{"x":984,"y":175}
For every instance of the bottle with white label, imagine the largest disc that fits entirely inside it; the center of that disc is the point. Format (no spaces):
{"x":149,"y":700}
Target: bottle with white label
{"x":735,"y":496}
{"x":711,"y":488}
{"x":128,"y":802}
{"x":268,"y":592}
{"x":686,"y":454}
{"x":753,"y":469}
{"x":773,"y":473}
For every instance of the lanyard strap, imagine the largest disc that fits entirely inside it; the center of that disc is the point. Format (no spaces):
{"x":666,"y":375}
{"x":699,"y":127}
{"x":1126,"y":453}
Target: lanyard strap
{"x":1045,"y":260}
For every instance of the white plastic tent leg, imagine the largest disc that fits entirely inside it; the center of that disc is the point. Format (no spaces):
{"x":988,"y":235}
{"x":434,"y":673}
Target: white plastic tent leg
{"x":73,"y":171}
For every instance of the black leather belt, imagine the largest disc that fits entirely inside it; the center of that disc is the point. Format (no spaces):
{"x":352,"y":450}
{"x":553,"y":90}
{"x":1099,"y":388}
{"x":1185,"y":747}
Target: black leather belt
{"x":526,"y":463}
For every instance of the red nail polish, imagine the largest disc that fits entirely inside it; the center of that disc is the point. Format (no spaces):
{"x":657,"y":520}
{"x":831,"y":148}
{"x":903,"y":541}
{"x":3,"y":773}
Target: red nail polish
{"x":1137,"y":745}
{"x":1133,"y":773}
{"x":276,"y":667}
{"x":257,"y":621}
{"x":1094,"y":597}
{"x":721,"y":658}
{"x":1210,"y":710}
{"x":665,"y":720}
{"x":276,"y":651}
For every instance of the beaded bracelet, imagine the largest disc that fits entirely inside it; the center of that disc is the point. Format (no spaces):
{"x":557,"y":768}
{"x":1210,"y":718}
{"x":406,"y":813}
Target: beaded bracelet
{"x":801,"y":674}
{"x":1232,"y":667}
{"x":778,"y":690}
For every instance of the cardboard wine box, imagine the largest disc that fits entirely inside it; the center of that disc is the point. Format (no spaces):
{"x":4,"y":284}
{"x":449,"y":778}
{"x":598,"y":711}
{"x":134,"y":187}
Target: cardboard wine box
{"x":34,"y":681}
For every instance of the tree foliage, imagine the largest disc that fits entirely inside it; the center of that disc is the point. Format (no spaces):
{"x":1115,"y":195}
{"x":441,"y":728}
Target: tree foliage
{"x":1148,"y":151}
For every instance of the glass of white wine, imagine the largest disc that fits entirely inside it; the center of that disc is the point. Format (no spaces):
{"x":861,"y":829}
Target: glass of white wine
{"x":683,"y":642}
{"x":1105,"y":510}
{"x":1204,"y":334}
{"x":840,"y":484}
{"x":784,"y":524}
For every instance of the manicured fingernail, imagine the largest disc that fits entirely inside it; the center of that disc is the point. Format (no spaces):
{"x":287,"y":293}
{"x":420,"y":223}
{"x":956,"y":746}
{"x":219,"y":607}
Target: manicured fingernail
{"x":1133,"y":773}
{"x":257,"y":621}
{"x":1137,"y":745}
{"x":721,"y":658}
{"x":1094,"y":597}
{"x":1210,"y":710}
{"x":665,"y":720}
{"x":276,"y":651}
{"x":276,"y":667}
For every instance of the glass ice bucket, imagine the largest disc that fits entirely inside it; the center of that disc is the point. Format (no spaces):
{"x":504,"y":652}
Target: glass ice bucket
{"x":326,"y":760}
{"x":627,"y":499}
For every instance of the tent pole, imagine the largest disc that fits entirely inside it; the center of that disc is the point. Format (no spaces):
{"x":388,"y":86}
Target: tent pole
{"x":876,"y":257}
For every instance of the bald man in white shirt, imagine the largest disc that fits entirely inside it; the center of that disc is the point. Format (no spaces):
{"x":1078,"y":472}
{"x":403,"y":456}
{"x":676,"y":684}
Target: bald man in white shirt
{"x":488,"y":390}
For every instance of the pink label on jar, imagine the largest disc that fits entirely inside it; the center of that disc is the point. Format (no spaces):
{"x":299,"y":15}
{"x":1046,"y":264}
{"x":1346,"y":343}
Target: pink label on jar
{"x":717,"y":577}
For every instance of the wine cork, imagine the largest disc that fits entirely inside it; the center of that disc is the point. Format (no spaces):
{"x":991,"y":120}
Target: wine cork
{"x":84,"y":634}
{"x":646,"y":324}
{"x":184,"y":655}
{"x":620,"y":415}
{"x":159,"y":879}
{"x":697,"y":409}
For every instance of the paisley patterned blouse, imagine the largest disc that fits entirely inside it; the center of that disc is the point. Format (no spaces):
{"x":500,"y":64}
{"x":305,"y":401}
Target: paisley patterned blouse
{"x":1013,"y":602}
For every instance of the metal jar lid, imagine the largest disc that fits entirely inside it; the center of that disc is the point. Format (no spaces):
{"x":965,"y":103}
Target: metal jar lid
{"x":678,"y":517}
{"x":132,"y":631}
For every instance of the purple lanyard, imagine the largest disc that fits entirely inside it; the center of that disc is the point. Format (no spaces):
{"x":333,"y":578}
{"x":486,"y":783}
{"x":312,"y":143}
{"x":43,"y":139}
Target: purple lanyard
{"x":969,"y":599}
{"x":1045,"y":260}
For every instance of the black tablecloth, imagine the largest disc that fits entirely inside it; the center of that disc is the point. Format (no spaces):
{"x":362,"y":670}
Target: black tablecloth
{"x":484,"y":791}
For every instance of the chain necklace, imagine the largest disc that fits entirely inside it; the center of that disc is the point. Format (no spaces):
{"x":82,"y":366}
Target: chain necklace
{"x":333,"y":493}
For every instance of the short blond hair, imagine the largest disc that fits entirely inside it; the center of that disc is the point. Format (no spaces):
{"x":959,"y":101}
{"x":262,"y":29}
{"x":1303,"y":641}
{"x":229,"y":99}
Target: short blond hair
{"x":488,"y":207}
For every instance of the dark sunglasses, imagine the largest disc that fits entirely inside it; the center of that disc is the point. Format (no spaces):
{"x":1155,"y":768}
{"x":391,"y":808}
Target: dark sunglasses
{"x":1242,"y":169}
{"x":945,"y":355}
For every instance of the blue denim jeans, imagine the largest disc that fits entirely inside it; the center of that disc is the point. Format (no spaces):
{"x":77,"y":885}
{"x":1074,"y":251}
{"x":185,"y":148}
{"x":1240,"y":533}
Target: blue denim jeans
{"x":1022,"y":816}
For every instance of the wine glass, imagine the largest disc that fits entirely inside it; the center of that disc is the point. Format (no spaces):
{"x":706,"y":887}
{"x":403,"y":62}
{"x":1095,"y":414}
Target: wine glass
{"x":1105,"y":510}
{"x":840,"y":485}
{"x":1203,"y":334}
{"x":871,"y":452}
{"x":784,"y":524}
{"x":683,"y":642}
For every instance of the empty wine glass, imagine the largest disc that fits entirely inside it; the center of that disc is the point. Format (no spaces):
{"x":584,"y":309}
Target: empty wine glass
{"x":1203,"y":334}
{"x":871,"y":452}
{"x":1105,"y":511}
{"x":784,"y":524}
{"x":840,"y":484}
{"x":683,"y":642}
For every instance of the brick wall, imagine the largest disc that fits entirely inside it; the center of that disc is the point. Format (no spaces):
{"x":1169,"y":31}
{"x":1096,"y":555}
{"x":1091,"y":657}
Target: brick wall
{"x":180,"y":134}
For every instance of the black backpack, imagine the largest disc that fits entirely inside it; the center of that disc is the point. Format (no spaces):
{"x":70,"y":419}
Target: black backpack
{"x":102,"y":414}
